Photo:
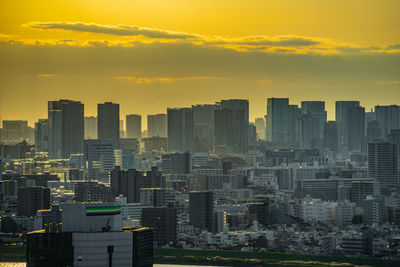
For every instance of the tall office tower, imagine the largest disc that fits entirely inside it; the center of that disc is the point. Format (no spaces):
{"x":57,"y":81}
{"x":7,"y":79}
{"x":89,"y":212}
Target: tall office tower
{"x":331,"y":136}
{"x":238,"y":104}
{"x":388,"y":118}
{"x":201,"y":210}
{"x":369,"y":116}
{"x":356,"y":129}
{"x":180,"y":129}
{"x":108,"y":122}
{"x":32,"y":199}
{"x":309,"y":136}
{"x":342,"y":123}
{"x":157,"y":125}
{"x":316,"y":109}
{"x":163,"y":221}
{"x":99,"y":159}
{"x":204,"y":127}
{"x":91,"y":127}
{"x":383,"y":164}
{"x":277,"y":120}
{"x":133,"y":126}
{"x":66,"y":128}
{"x":294,"y":126}
{"x":374,"y":131}
{"x":260,"y":128}
{"x":89,"y":191}
{"x":177,"y":163}
{"x":42,"y":135}
{"x":231,"y":131}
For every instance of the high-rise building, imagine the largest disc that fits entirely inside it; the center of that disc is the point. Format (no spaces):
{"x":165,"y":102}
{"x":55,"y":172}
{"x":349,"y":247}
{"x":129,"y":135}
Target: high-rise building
{"x":180,"y":129}
{"x":341,"y":110}
{"x":294,"y":125}
{"x":201,"y":210}
{"x":277,"y":120}
{"x":239,"y":104}
{"x":374,"y":131}
{"x":313,"y":123}
{"x":133,"y":126}
{"x":108,"y":122}
{"x":66,"y":128}
{"x":177,"y":163}
{"x":317,"y":110}
{"x":356,"y":129}
{"x":163,"y":221}
{"x":331,"y":136}
{"x":99,"y":159}
{"x":91,"y":127}
{"x":125,"y":158}
{"x":157,"y":125}
{"x":204,"y":127}
{"x":383,"y":164}
{"x":42,"y":135}
{"x":260,"y":128}
{"x":231,"y":131}
{"x":32,"y":199}
{"x":388,"y":118}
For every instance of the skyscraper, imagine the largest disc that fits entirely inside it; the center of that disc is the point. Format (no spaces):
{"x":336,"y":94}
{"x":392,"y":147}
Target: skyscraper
{"x":157,"y":125}
{"x":260,"y":128}
{"x":231,"y":131}
{"x":163,"y":221}
{"x":204,"y":126}
{"x":239,"y":104}
{"x":91,"y":127}
{"x":388,"y":118}
{"x":356,"y":129}
{"x":66,"y":128}
{"x":331,"y":136}
{"x":374,"y":131}
{"x":342,"y":121}
{"x":294,"y":125}
{"x":42,"y":135}
{"x":108,"y":122}
{"x":316,"y":110}
{"x":99,"y":159}
{"x":277,"y":120}
{"x":201,"y":210}
{"x":133,"y":126}
{"x":180,"y":129}
{"x":383,"y":164}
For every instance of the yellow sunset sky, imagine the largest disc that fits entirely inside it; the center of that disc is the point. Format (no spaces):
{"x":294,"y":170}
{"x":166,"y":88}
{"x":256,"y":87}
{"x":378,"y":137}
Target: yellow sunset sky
{"x":148,"y":55}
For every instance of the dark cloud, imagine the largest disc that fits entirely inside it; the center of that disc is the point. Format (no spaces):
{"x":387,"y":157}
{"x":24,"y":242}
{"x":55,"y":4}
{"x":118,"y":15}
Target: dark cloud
{"x":121,"y":30}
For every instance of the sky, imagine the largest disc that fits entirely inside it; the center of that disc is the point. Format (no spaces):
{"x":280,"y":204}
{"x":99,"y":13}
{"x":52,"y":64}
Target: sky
{"x":148,"y":55}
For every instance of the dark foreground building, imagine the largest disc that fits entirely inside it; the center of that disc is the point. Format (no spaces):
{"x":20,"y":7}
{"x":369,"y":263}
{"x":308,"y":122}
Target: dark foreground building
{"x":91,"y":236}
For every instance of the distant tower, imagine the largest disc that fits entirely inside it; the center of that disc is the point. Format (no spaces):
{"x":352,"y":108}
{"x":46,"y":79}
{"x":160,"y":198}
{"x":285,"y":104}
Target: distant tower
{"x":42,"y":135}
{"x":331,"y":136}
{"x":133,"y":126}
{"x":383,"y":164}
{"x":356,"y":129}
{"x":99,"y":158}
{"x":342,"y":108}
{"x":277,"y":120}
{"x":108,"y":122}
{"x":66,"y":128}
{"x":180,"y":129}
{"x":157,"y":125}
